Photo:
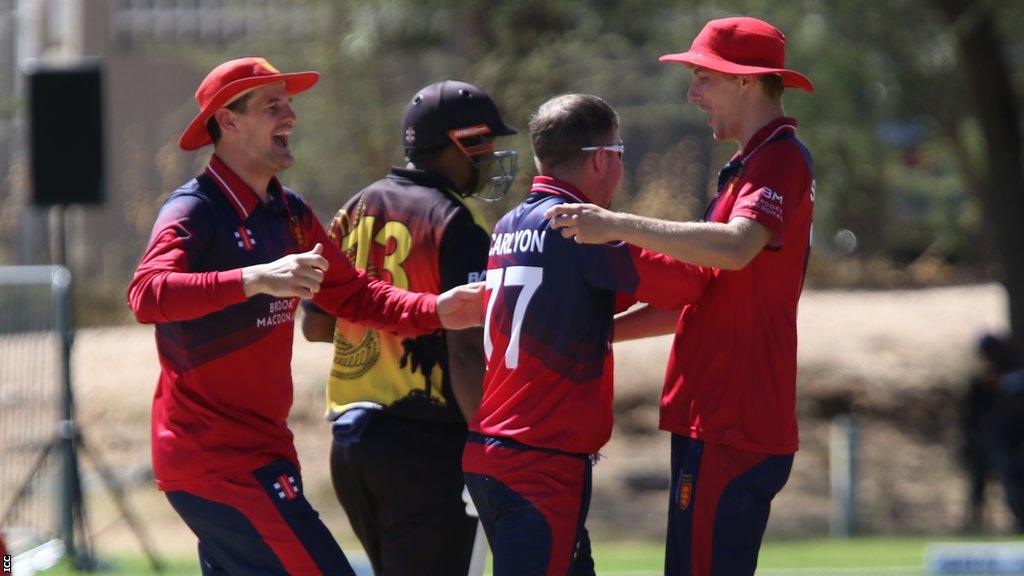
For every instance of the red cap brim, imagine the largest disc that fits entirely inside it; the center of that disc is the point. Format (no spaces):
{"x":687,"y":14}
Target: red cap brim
{"x":196,"y":136}
{"x":790,"y":78}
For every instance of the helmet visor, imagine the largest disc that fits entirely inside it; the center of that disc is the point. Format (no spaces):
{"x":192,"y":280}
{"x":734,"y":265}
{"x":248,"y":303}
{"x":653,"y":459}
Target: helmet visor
{"x":497,"y":172}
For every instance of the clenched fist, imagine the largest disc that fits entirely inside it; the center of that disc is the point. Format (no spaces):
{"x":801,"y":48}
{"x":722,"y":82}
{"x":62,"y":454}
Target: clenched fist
{"x":462,"y":306}
{"x":295,"y":275}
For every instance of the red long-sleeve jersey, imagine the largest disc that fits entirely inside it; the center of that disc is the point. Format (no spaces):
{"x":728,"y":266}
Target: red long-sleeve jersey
{"x":225,"y":386}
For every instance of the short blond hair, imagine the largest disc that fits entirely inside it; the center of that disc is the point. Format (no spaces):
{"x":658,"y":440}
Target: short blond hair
{"x":565,"y":124}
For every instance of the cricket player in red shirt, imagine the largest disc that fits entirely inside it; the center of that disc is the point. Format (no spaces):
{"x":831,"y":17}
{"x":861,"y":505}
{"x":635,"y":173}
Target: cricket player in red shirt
{"x":547,"y":403}
{"x":730,"y":386}
{"x":231,"y":253}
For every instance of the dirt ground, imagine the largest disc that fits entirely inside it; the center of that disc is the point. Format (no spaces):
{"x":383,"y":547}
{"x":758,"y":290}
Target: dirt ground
{"x":898,"y":358}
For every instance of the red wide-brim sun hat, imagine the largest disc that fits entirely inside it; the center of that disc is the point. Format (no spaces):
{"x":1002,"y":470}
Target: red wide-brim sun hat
{"x":231,"y":80}
{"x":741,"y":46}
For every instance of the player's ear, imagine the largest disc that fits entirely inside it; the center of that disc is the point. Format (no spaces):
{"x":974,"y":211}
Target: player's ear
{"x":225,"y":118}
{"x":596,"y":159}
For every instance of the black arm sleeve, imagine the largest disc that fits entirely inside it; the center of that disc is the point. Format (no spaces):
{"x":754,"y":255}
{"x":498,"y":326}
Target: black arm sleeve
{"x":463,"y":254}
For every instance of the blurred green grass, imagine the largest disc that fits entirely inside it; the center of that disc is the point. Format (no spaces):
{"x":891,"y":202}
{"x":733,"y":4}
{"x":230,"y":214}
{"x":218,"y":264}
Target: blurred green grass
{"x":874,"y":555}
{"x":797,"y":554}
{"x":647,"y":557}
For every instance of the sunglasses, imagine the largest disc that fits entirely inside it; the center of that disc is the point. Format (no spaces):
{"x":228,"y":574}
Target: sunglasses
{"x":619,"y":148}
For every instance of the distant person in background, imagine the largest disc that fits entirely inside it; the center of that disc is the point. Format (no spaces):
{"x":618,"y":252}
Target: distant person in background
{"x":730,"y":388}
{"x":992,"y":421}
{"x":975,"y":405}
{"x":400,"y":405}
{"x":231,"y":253}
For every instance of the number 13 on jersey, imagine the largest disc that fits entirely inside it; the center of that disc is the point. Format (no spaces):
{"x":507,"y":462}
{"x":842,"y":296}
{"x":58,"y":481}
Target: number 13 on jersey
{"x":499,"y":279}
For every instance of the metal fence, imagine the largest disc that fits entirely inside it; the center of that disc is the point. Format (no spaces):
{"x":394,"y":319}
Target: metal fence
{"x":34,"y":348}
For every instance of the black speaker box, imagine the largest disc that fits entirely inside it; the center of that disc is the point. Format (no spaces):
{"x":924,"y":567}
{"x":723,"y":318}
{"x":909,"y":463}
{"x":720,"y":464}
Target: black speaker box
{"x":66,"y":133}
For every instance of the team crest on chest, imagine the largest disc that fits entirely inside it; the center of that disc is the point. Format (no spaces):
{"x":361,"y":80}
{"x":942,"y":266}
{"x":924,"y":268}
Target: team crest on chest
{"x":298,"y":232}
{"x":352,"y":360}
{"x":244,"y":238}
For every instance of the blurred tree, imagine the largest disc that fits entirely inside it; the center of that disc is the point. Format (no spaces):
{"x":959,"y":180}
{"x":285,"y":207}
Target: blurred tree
{"x":995,"y":101}
{"x":913,"y":124}
{"x":897,"y":155}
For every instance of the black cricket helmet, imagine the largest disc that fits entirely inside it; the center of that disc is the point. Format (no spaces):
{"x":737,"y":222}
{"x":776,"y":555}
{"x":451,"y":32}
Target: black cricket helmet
{"x":459,"y":113}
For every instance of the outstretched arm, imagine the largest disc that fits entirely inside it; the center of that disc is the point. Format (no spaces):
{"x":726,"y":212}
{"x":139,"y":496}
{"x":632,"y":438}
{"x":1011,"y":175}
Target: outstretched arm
{"x":645,"y":321}
{"x":728,"y":246}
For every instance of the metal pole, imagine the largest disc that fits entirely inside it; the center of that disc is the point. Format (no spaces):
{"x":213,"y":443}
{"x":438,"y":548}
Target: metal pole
{"x":843,"y":471}
{"x":66,"y":428}
{"x":58,"y":236}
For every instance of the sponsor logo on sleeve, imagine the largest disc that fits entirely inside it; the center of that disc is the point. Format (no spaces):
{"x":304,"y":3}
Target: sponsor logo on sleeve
{"x":769,"y":203}
{"x":772,"y":195}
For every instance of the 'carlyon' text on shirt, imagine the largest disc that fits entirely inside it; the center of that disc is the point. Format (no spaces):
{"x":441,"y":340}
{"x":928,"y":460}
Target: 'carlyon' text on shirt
{"x":281,"y":312}
{"x":517,"y":242}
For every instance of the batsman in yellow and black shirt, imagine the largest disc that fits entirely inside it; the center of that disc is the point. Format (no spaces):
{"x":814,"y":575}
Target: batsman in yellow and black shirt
{"x":410,"y":229}
{"x":400,"y":405}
